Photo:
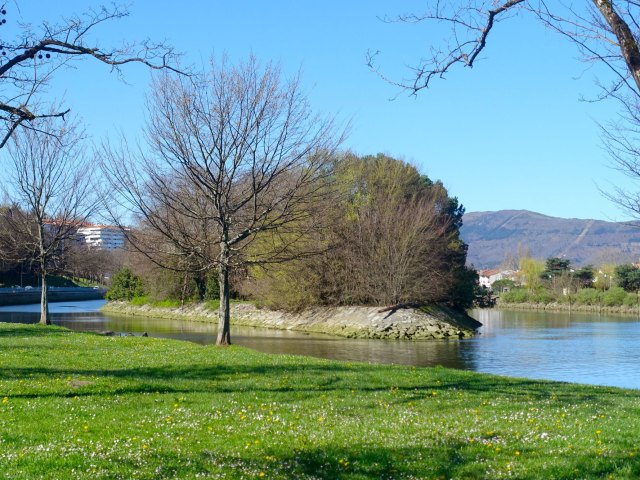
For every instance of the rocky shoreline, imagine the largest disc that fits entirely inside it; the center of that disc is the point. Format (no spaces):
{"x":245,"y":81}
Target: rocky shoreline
{"x":435,"y":322}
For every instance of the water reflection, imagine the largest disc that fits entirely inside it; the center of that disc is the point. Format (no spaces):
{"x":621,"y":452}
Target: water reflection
{"x":581,"y":347}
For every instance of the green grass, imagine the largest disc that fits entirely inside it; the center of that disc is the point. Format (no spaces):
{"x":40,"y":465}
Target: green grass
{"x":145,"y":300}
{"x":78,"y":405}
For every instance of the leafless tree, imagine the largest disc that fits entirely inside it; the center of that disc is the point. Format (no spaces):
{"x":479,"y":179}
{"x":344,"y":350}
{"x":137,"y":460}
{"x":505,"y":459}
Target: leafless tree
{"x":34,"y":55}
{"x":86,"y":262}
{"x":395,"y":252}
{"x":235,"y":159}
{"x":49,"y":182}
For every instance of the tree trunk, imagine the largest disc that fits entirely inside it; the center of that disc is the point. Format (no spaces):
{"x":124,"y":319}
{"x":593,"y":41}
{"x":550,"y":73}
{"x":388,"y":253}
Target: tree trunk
{"x":628,"y":43}
{"x":44,"y":302}
{"x":44,"y":298}
{"x":224,"y":320}
{"x":183,"y":294}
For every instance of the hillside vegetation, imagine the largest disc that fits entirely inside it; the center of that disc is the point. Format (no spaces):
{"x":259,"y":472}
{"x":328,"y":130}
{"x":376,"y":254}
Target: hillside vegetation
{"x":492,"y":236}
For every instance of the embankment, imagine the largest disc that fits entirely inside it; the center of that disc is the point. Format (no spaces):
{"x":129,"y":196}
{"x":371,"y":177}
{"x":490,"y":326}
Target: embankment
{"x":24,"y":297}
{"x":565,"y":307}
{"x":436,"y":322}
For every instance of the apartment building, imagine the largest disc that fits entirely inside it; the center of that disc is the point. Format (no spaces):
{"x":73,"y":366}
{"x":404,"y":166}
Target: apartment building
{"x":104,"y":237}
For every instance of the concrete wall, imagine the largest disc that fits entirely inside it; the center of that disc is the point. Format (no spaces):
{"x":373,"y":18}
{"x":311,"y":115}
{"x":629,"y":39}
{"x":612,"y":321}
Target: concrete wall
{"x":11,"y":296}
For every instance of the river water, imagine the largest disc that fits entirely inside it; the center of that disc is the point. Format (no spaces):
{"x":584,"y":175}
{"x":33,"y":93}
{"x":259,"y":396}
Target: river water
{"x":577,"y":347}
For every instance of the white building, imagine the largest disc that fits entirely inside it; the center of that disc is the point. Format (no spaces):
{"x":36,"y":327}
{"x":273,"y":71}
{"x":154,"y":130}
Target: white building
{"x":104,"y":237}
{"x":488,"y":277}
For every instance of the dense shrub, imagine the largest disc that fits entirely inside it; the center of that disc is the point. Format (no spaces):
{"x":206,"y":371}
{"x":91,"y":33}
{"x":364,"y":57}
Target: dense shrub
{"x":588,"y":296}
{"x":542,"y":296}
{"x":212,"y":287}
{"x":614,"y":297}
{"x":125,"y":285}
{"x":515,"y":295}
{"x":140,"y":300}
{"x":631,"y":300}
{"x":503,"y":285}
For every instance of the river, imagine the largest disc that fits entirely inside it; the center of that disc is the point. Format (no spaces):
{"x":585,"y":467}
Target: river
{"x":578,"y":347}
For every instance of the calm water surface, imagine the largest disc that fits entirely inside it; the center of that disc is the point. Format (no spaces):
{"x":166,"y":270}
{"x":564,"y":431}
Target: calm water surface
{"x":581,"y":347}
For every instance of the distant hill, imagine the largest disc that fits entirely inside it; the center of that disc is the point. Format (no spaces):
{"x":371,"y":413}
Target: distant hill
{"x":494,"y":235}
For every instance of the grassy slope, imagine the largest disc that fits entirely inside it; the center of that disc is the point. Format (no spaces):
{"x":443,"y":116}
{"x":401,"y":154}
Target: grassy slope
{"x":84,"y":406}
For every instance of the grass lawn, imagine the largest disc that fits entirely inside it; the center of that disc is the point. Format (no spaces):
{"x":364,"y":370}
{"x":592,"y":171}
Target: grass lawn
{"x":76,"y":405}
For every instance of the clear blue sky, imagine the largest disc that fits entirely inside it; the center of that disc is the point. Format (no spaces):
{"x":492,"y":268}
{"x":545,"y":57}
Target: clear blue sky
{"x":511,"y":133}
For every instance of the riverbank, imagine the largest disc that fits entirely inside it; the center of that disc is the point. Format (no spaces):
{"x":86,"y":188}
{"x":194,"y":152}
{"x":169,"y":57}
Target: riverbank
{"x":85,"y":406}
{"x":565,"y":307}
{"x":24,"y":296}
{"x":435,"y":322}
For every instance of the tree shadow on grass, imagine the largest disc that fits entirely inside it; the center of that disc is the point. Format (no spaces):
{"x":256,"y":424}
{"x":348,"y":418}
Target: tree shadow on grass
{"x":276,"y":373}
{"x":307,"y":380}
{"x":447,"y":460}
{"x":35,"y":330}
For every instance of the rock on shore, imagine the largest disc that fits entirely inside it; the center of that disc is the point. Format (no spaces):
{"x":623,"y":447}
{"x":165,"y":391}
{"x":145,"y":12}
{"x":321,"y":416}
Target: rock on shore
{"x":435,"y":322}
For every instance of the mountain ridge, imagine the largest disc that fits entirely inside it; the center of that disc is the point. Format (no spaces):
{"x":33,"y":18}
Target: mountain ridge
{"x":495,"y":236}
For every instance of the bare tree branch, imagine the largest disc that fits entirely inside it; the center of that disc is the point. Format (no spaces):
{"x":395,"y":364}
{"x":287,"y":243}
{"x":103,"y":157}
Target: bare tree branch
{"x":33,"y":56}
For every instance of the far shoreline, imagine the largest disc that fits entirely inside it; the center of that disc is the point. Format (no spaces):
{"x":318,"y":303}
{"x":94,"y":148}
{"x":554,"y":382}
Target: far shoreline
{"x":566,"y":308}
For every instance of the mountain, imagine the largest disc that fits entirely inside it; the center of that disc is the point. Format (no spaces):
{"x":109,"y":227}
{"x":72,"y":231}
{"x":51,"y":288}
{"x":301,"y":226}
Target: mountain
{"x":494,"y":236}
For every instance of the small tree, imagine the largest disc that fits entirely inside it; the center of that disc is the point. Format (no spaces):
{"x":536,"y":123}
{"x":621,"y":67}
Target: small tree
{"x":605,"y":277}
{"x":530,"y":269}
{"x":628,"y":277}
{"x":235,"y":156}
{"x":555,"y":267}
{"x":125,"y":285}
{"x":584,"y":276}
{"x":50,"y":184}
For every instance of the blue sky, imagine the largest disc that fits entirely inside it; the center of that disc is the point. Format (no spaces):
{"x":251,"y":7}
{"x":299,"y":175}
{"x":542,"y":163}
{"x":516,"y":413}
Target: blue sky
{"x":512,"y":133}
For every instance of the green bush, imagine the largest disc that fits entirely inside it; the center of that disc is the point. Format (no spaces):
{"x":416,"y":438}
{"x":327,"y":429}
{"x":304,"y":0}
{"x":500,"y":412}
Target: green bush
{"x":125,"y":286}
{"x":146,"y":300}
{"x":140,"y":300}
{"x":515,"y":295}
{"x":542,"y":296}
{"x":501,"y":285}
{"x":631,"y":300}
{"x":212,"y":287}
{"x":614,"y":297}
{"x":588,"y":296}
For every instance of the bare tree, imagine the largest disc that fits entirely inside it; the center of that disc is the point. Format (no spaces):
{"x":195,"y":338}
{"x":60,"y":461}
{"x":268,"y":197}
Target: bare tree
{"x":86,"y":262}
{"x":396,"y":252}
{"x":34,"y":55}
{"x":236,"y":158}
{"x":49,"y":182}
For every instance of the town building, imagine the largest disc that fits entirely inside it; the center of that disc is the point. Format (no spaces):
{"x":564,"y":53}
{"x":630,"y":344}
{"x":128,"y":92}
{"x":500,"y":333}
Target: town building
{"x":103,"y":237}
{"x":486,"y":278}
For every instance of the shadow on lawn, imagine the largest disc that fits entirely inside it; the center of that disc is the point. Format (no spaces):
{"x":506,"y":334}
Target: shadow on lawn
{"x":447,"y":460}
{"x":305,"y":379}
{"x":275,"y":374}
{"x":35,"y":330}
